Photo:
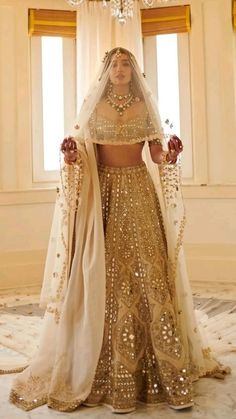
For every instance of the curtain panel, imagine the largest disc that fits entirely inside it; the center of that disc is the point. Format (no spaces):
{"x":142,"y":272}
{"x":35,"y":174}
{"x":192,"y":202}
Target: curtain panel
{"x":164,"y":20}
{"x":234,"y":13}
{"x":160,"y":20}
{"x":44,"y":22}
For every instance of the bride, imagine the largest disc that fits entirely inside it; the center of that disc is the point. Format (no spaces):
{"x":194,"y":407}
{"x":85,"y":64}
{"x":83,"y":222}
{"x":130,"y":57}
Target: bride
{"x":119,"y":325}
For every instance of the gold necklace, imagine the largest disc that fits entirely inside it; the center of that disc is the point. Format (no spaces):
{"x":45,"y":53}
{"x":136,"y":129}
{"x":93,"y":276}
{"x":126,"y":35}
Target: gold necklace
{"x":120,"y":107}
{"x":119,"y":97}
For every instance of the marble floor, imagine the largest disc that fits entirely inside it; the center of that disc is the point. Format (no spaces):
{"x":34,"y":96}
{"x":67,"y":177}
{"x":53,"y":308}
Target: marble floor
{"x":214,"y":398}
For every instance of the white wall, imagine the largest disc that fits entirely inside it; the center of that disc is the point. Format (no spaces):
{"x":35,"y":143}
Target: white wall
{"x":26,"y":210}
{"x":210,"y":233}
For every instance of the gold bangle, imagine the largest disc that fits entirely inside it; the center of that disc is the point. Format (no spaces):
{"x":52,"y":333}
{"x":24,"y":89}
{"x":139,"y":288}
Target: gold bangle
{"x":164,"y":158}
{"x":156,"y":141}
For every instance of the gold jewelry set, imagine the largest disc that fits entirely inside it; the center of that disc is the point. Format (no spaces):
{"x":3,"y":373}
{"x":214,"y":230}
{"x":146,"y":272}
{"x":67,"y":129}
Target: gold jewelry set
{"x":112,"y":98}
{"x":120,"y":107}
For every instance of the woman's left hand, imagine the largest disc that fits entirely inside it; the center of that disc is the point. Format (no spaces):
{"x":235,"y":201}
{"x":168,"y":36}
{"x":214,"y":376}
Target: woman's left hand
{"x":175,"y":147}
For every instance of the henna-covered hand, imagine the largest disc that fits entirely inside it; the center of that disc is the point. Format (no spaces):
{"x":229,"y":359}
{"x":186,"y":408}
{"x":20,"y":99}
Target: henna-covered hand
{"x":175,"y":147}
{"x":69,"y":149}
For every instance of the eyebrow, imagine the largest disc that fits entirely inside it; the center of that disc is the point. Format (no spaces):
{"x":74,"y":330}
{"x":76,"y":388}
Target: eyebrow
{"x":123,"y":59}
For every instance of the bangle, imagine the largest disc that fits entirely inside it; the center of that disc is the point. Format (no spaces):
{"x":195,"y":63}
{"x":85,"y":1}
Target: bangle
{"x":170,"y":160}
{"x":165,"y":155}
{"x":163,"y":158}
{"x":155,"y":141}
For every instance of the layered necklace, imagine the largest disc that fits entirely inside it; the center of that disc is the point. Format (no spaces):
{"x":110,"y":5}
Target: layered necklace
{"x":112,"y":99}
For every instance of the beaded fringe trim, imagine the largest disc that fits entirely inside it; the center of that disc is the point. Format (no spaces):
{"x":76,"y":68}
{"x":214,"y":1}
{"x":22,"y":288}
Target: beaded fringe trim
{"x":12,"y":371}
{"x":59,"y":405}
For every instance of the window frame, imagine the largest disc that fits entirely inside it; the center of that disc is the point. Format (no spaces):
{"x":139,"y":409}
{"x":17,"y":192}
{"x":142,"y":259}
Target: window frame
{"x":39,"y":174}
{"x":185,"y":101}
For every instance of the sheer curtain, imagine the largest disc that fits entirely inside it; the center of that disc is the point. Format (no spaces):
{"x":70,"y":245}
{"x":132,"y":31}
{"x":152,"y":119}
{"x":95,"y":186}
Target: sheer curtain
{"x":99,"y":32}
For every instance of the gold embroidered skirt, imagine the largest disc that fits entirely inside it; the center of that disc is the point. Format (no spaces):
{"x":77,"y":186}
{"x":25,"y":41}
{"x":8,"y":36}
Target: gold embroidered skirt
{"x":143,"y":357}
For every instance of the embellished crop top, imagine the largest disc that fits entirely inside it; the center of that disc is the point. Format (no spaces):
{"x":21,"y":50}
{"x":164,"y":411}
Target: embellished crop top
{"x":134,"y":130}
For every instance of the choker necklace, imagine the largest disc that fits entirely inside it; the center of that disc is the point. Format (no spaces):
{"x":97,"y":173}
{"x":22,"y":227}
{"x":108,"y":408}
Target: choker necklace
{"x":112,"y":98}
{"x":120,"y":108}
{"x":119,"y":97}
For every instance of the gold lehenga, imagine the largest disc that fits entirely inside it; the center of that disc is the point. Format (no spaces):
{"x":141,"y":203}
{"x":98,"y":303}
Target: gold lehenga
{"x":142,"y":356}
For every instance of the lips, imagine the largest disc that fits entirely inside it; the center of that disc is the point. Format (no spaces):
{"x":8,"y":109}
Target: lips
{"x":120,"y":76}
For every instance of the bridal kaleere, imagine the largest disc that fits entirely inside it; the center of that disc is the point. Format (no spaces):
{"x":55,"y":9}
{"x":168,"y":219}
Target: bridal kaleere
{"x":119,"y":325}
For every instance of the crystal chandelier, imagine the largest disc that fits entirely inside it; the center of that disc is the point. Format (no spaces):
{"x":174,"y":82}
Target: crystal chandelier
{"x":120,"y":9}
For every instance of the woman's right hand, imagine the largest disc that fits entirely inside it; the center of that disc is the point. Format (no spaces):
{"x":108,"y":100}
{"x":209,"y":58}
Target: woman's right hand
{"x":69,"y":149}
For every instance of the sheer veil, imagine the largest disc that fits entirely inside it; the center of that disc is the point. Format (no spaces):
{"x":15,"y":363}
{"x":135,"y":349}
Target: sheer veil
{"x":98,"y":91}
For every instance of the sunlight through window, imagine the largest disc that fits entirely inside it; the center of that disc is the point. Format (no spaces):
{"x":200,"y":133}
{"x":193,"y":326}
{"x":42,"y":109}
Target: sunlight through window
{"x":53,"y":100}
{"x":168,"y":81}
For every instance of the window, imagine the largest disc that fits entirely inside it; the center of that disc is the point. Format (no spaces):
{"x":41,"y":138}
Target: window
{"x":168,"y":79}
{"x":53,"y":101}
{"x":52,"y":98}
{"x":166,"y":60}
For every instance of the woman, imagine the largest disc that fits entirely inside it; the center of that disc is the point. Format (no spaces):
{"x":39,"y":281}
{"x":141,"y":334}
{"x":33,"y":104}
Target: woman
{"x":119,"y":325}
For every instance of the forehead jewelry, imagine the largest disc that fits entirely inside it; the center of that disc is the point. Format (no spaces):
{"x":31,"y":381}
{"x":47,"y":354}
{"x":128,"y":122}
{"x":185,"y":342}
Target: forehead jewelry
{"x":118,"y":53}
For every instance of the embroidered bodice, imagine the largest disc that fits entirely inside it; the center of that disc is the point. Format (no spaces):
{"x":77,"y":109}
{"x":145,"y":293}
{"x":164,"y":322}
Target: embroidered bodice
{"x":131,"y":131}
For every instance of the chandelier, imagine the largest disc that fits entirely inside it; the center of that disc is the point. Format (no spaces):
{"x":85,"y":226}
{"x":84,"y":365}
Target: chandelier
{"x":120,"y":9}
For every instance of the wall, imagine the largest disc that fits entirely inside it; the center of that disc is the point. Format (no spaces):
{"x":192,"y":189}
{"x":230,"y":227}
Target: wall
{"x":26,"y":208}
{"x":210,"y":233}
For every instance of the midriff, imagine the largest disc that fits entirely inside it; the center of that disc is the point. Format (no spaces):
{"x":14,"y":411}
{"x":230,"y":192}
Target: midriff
{"x":120,"y":155}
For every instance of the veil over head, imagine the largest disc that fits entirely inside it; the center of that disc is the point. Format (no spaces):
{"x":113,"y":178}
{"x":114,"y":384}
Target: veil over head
{"x":140,"y":122}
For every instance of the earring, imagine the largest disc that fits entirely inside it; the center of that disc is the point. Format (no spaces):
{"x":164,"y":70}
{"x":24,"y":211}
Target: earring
{"x":131,"y":85}
{"x":105,"y":56}
{"x":109,"y":88}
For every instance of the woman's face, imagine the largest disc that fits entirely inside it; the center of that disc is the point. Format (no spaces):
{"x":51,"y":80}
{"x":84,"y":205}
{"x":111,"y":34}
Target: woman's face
{"x":120,"y":73}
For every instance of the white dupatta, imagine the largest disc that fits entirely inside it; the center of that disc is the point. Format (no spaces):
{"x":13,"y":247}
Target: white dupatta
{"x":63,"y":368}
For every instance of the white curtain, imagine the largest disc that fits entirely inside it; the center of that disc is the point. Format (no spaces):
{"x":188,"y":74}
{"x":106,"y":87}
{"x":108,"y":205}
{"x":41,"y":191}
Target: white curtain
{"x":98,"y":32}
